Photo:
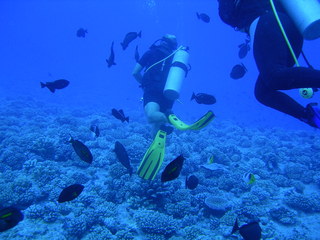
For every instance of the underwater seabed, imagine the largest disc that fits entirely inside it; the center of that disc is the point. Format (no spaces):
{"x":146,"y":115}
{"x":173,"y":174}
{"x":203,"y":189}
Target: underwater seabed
{"x":36,"y":163}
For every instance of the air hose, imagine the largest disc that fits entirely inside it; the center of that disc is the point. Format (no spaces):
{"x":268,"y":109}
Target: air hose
{"x":304,"y":92}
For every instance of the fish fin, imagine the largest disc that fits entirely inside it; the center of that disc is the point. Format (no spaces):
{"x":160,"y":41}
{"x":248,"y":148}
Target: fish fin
{"x":235,"y":227}
{"x":123,"y":46}
{"x":186,"y":182}
{"x":121,"y":112}
{"x":193,"y":96}
{"x":127,"y":119}
{"x":153,"y":158}
{"x":114,"y":63}
{"x":198,"y":15}
{"x":52,"y":89}
{"x":42,"y":84}
{"x":139,"y":34}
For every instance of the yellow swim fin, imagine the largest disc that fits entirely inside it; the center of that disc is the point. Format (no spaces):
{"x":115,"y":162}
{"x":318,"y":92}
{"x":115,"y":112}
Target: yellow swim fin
{"x":153,"y":158}
{"x":201,"y":123}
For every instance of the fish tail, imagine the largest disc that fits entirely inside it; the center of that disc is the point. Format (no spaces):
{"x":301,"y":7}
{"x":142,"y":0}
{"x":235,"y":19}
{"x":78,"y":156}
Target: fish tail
{"x":42,"y":84}
{"x":198,"y":15}
{"x":123,"y":46}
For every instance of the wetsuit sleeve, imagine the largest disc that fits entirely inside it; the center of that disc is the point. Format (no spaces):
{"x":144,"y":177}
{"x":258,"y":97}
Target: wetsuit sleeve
{"x":228,"y":11}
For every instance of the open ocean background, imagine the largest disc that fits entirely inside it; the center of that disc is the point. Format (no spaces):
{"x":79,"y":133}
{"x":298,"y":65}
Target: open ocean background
{"x":38,"y":43}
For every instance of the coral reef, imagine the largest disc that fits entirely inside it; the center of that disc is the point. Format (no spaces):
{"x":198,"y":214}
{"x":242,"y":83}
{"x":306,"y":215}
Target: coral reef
{"x":153,"y":222}
{"x":37,"y":163}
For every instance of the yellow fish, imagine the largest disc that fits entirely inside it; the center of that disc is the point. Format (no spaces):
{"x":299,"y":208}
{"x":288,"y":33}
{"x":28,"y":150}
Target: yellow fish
{"x":211,"y":159}
{"x":249,"y":178}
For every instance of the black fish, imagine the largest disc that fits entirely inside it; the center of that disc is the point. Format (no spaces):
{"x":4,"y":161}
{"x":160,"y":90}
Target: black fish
{"x":122,"y":156}
{"x":70,"y":193}
{"x":192,"y":182}
{"x":57,"y":84}
{"x":250,"y":231}
{"x":244,"y":48}
{"x":203,"y":98}
{"x":95,"y":129}
{"x":129,"y":38}
{"x":119,"y":115}
{"x":204,"y":17}
{"x":110,"y":60}
{"x":81,"y":150}
{"x":238,"y":71}
{"x":136,"y":54}
{"x":172,"y":170}
{"x":81,"y":32}
{"x":9,"y":217}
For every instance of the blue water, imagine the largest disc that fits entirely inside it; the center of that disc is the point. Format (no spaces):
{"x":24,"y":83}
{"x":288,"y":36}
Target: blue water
{"x":38,"y":43}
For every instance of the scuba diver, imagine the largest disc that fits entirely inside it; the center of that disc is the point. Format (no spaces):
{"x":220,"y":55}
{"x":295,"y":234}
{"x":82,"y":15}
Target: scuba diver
{"x":273,"y":58}
{"x":165,"y":68}
{"x":154,"y":79}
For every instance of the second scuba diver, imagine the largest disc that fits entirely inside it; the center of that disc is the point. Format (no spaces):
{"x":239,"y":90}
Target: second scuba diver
{"x":154,"y":79}
{"x":165,"y":67}
{"x":272,"y":56}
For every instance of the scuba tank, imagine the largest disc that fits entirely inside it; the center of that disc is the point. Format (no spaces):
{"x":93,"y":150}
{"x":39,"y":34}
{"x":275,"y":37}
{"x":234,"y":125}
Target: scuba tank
{"x":306,"y":16}
{"x":177,"y":72}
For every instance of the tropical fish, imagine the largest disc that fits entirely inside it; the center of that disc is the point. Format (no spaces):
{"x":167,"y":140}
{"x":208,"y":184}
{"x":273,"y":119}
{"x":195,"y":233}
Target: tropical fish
{"x":129,"y":38}
{"x":211,"y":159}
{"x":57,"y":84}
{"x":95,"y":129}
{"x":173,"y":169}
{"x":204,"y":17}
{"x":244,"y":48}
{"x":119,"y":114}
{"x":238,"y":71}
{"x":81,"y":32}
{"x":70,"y":193}
{"x":110,"y":60}
{"x":81,"y":150}
{"x":137,"y":55}
{"x":192,"y":182}
{"x":9,"y":217}
{"x":249,"y":231}
{"x":203,"y":98}
{"x":248,"y":178}
{"x":122,"y":156}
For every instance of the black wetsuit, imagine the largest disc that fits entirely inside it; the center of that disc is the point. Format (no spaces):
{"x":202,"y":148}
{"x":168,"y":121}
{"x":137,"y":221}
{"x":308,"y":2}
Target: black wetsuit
{"x":154,"y":80}
{"x":272,"y":55}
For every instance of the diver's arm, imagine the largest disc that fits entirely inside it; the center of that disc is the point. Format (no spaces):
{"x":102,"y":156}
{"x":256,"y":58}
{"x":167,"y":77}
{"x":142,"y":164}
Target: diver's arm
{"x":136,"y":73}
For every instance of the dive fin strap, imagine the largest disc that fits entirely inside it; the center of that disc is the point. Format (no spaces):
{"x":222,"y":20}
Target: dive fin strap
{"x":201,"y":123}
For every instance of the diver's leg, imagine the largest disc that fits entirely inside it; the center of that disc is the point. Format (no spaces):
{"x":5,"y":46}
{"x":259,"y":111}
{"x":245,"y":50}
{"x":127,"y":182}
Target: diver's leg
{"x":154,"y":116}
{"x":278,"y":100}
{"x":275,"y":63}
{"x":274,"y":59}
